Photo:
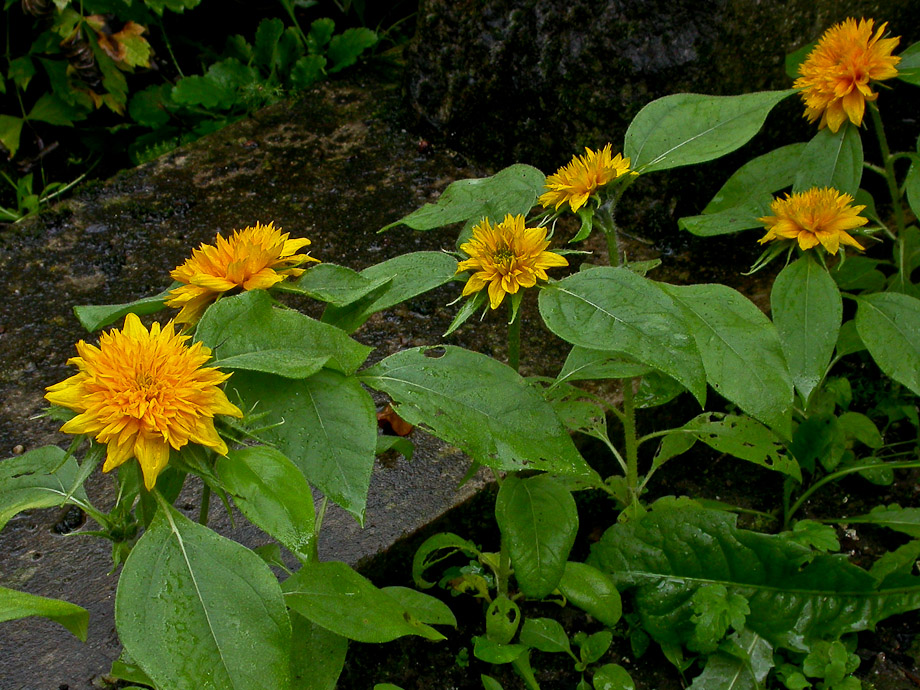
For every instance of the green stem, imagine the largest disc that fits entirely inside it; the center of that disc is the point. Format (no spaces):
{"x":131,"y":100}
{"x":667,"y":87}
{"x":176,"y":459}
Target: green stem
{"x":504,"y":568}
{"x":205,"y":506}
{"x":842,"y":473}
{"x":169,"y":47}
{"x":892,"y":181}
{"x":603,"y":217}
{"x":630,"y":441}
{"x":290,"y":10}
{"x":514,"y":338}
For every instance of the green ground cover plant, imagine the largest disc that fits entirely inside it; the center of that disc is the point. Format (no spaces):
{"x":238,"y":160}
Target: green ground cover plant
{"x":730,"y":607}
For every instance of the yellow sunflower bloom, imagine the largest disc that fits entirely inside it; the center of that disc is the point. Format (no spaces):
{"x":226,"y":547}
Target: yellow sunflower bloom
{"x":142,"y":392}
{"x":836,"y":74}
{"x":506,"y":257}
{"x":254,"y":258}
{"x":816,"y":216}
{"x":583,"y":176}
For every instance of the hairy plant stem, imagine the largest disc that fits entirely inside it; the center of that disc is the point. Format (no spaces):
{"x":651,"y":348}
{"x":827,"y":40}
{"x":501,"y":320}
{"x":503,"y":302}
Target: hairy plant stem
{"x":514,"y":337}
{"x":205,"y":506}
{"x":892,"y":182}
{"x":603,"y":216}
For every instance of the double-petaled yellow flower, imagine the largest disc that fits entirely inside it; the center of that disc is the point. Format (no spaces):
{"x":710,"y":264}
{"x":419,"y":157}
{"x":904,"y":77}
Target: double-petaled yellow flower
{"x":583,"y":176}
{"x":506,"y":257}
{"x":836,"y":75}
{"x":816,"y":216}
{"x":254,"y":258}
{"x":143,"y":392}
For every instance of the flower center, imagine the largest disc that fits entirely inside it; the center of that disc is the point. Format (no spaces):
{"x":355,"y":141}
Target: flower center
{"x":503,"y":256}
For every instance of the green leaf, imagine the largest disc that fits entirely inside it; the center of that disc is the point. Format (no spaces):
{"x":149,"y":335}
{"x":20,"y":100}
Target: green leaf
{"x":546,"y":635}
{"x":906,"y":520}
{"x":896,"y":564}
{"x":538,"y":522}
{"x":592,"y":591}
{"x":96,"y":316}
{"x":744,"y":438}
{"x":763,"y":175}
{"x":428,"y":554}
{"x":425,"y":608}
{"x":53,"y":110}
{"x":489,"y":683}
{"x":814,"y":535}
{"x":198,"y":90}
{"x":454,"y":393}
{"x":593,"y":647}
{"x":911,"y":183}
{"x":149,"y":106}
{"x":10,"y":131}
{"x":491,"y":652}
{"x":796,"y":58}
{"x":859,"y":273}
{"x":325,"y":424}
{"x":502,"y":619}
{"x":248,"y":323}
{"x":268,"y":34}
{"x":715,"y":611}
{"x":909,"y":67}
{"x":820,"y":438}
{"x":335,"y":285}
{"x":743,"y":669}
{"x":321,"y":31}
{"x":863,"y":429}
{"x":346,"y":47}
{"x":688,"y":128}
{"x":670,"y":553}
{"x":333,"y":595}
{"x":741,"y":351}
{"x":179,"y":6}
{"x":196,"y":610}
{"x":15,"y":605}
{"x":400,"y":279}
{"x":584,"y":364}
{"x":674,"y":444}
{"x":39,"y":478}
{"x":307,"y":70}
{"x":272,"y":493}
{"x":317,"y":655}
{"x":290,"y":364}
{"x":613,"y":309}
{"x":832,"y":160}
{"x":613,"y":677}
{"x":807,"y":310}
{"x":511,"y":190}
{"x":21,"y":70}
{"x":745,"y":216}
{"x":889,"y":325}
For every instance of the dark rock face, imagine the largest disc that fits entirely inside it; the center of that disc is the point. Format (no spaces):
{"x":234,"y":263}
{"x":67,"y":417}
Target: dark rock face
{"x":535,"y":80}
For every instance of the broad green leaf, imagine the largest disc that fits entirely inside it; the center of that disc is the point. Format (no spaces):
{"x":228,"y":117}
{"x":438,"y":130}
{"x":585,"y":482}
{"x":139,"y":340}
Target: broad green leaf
{"x":491,"y":652}
{"x":613,"y":309}
{"x":198,"y":611}
{"x":272,"y":493}
{"x":796,"y":58}
{"x":820,"y":438}
{"x":688,"y":128}
{"x":10,"y":132}
{"x":670,"y":553}
{"x":337,"y":285}
{"x":38,"y":479}
{"x":424,"y":607}
{"x":502,"y":619}
{"x":149,"y":107}
{"x":849,"y":341}
{"x":400,"y":279}
{"x":674,"y":444}
{"x":807,"y":311}
{"x":291,"y":364}
{"x":317,"y":655}
{"x":326,"y":425}
{"x":95,"y":316}
{"x":906,"y":520}
{"x":248,"y":323}
{"x":763,"y":175}
{"x":593,"y":647}
{"x":478,"y":404}
{"x":741,"y":351}
{"x":538,"y":522}
{"x":744,"y":669}
{"x":744,"y":216}
{"x":814,"y":535}
{"x":307,"y":70}
{"x":832,"y":160}
{"x":435,"y":549}
{"x":334,"y":596}
{"x":489,"y":683}
{"x":15,"y":605}
{"x":268,"y":33}
{"x":346,"y":47}
{"x":889,"y":324}
{"x":321,"y":31}
{"x":199,"y":91}
{"x":546,"y":635}
{"x":744,"y":438}
{"x":613,"y":677}
{"x":53,"y":110}
{"x":859,"y":273}
{"x":896,"y":564}
{"x":592,"y":591}
{"x":911,"y":184}
{"x":909,"y":67}
{"x":715,"y":611}
{"x":179,"y":6}
{"x":511,"y":190}
{"x":863,"y":429}
{"x":584,"y":364}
